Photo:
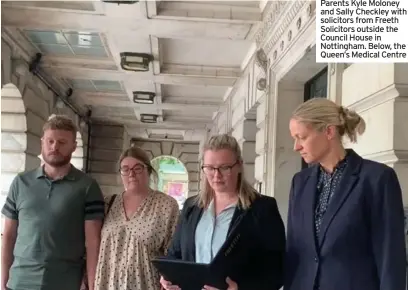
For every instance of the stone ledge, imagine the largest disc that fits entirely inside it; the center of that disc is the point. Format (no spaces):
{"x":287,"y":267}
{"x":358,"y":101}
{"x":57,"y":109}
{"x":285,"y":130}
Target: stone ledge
{"x":389,"y":157}
{"x":386,"y":94}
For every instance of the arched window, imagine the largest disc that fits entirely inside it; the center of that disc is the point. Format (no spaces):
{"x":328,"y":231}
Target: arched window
{"x":172,"y":178}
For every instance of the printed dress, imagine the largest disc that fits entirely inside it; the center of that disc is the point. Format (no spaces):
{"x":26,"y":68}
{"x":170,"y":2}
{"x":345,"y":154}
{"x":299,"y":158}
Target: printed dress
{"x":128,"y":245}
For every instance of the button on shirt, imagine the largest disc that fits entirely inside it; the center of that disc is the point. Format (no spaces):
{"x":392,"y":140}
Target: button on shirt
{"x":212,"y":232}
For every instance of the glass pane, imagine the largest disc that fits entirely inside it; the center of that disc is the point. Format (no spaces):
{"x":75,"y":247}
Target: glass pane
{"x":82,"y":84}
{"x":46,"y":37}
{"x":84,"y":39}
{"x":107,"y":85}
{"x":90,"y":51}
{"x":55,"y":49}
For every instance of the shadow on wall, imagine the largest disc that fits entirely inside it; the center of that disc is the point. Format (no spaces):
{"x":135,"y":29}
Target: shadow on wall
{"x":172,"y":178}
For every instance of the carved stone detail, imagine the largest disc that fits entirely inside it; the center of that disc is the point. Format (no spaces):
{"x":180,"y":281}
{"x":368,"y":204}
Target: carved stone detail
{"x":285,"y":10}
{"x":273,"y":14}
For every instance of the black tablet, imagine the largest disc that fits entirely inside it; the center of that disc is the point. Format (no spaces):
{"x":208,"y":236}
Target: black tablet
{"x":189,"y":275}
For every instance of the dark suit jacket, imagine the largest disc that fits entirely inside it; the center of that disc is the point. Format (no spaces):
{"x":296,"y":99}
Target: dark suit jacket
{"x":361,"y":244}
{"x":259,"y":266}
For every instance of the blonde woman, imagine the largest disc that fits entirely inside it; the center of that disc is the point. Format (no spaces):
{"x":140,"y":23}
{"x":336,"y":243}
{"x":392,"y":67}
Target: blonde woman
{"x":227,"y":201}
{"x":138,"y":226}
{"x":345,"y":218}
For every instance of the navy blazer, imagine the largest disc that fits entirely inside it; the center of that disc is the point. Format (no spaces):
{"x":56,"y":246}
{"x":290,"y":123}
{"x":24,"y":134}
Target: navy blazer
{"x":361,"y":244}
{"x":258,"y":263}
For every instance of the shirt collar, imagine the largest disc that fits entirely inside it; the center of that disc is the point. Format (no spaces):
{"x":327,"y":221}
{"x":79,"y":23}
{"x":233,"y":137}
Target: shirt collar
{"x":72,"y":174}
{"x":339,"y":167}
{"x":211,"y":207}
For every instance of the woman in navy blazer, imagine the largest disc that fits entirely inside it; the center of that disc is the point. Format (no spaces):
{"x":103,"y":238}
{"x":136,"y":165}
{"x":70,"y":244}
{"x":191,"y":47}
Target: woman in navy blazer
{"x":345,"y":221}
{"x":229,"y":207}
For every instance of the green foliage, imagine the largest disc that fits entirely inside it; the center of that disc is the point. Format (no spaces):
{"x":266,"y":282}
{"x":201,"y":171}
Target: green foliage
{"x":168,"y":160}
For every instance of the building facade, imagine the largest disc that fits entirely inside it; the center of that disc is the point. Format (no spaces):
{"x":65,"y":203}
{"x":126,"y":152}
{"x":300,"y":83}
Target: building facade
{"x":279,"y":73}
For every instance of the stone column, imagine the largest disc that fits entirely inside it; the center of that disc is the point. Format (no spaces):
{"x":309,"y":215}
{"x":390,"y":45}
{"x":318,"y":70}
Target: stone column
{"x":245,"y":133}
{"x":260,"y":145}
{"x":284,"y":161}
{"x":379,"y":92}
{"x":334,"y":82}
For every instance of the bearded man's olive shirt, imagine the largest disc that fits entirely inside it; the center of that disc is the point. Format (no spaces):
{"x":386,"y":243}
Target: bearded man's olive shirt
{"x":50,"y":246}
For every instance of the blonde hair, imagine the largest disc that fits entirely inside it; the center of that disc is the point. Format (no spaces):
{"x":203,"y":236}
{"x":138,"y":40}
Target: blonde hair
{"x":246,"y":193}
{"x":320,"y":113}
{"x":60,"y":122}
{"x":139,"y":154}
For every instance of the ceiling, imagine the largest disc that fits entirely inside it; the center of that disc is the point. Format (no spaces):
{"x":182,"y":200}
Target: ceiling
{"x":198,"y":50}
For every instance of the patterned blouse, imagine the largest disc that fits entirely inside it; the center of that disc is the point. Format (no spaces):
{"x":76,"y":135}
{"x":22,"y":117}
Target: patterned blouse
{"x":326,"y":186}
{"x":128,"y":245}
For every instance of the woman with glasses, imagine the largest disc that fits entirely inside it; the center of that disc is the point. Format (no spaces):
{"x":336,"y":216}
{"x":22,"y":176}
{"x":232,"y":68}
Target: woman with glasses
{"x":138,"y":225}
{"x":227,"y":202}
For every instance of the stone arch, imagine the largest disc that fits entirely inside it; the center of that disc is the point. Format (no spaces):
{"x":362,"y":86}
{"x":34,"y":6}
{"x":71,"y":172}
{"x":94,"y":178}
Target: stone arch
{"x":172,"y":177}
{"x":187,"y":153}
{"x":13,"y":138}
{"x":34,"y":99}
{"x":13,"y":135}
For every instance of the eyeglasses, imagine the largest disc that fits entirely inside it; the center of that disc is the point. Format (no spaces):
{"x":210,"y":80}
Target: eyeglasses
{"x":223,"y":170}
{"x":137,"y":169}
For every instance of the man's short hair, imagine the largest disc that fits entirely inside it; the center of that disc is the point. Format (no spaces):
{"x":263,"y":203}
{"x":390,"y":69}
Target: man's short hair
{"x":60,"y":122}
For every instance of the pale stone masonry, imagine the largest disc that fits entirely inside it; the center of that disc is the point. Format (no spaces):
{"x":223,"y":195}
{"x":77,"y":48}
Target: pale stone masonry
{"x":379,"y":92}
{"x":256,"y":115}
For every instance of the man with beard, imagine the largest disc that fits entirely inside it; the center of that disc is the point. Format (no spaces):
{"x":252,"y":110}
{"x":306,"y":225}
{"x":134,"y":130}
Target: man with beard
{"x":52,"y":213}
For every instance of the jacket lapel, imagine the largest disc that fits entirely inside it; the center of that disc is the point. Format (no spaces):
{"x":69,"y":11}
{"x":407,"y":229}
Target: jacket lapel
{"x":343,"y":190}
{"x":236,"y":219}
{"x":310,"y":188}
{"x":194,"y":218}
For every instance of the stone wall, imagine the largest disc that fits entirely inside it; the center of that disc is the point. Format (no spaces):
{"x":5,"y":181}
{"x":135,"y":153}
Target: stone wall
{"x":107,"y":143}
{"x":242,"y":116}
{"x":379,"y":92}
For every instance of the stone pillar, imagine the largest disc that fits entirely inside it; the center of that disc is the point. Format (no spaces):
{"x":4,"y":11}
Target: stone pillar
{"x":245,"y":133}
{"x":334,"y":82}
{"x":260,"y":145}
{"x":285,"y":161}
{"x":379,"y":93}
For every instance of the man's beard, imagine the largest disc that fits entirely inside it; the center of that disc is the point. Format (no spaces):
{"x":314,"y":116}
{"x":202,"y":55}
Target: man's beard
{"x":57,"y":160}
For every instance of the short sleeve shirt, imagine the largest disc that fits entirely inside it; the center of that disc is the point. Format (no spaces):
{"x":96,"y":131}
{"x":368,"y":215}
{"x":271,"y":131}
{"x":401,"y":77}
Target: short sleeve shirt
{"x":50,"y":245}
